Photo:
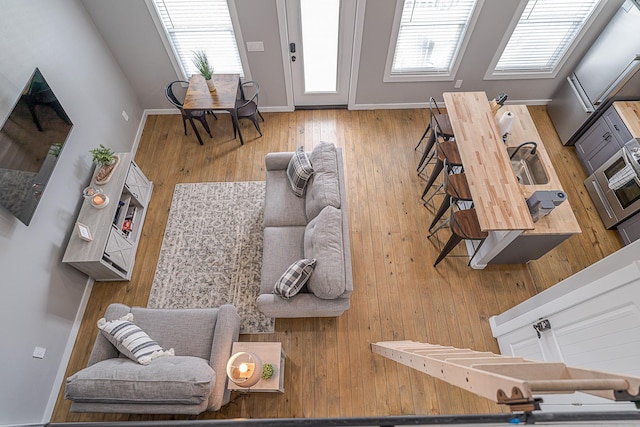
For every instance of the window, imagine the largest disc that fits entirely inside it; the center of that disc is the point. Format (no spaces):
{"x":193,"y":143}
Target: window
{"x":192,"y":25}
{"x":543,"y":35}
{"x":430,"y":36}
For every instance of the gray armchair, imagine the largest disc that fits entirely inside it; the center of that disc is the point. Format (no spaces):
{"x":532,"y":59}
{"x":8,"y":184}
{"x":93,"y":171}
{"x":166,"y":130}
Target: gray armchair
{"x":192,"y":381}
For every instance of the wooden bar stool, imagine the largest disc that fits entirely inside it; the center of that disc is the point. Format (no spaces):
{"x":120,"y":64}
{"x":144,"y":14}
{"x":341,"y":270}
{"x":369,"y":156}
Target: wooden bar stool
{"x":456,"y":188}
{"x":439,"y":125}
{"x":445,"y":150}
{"x":464,"y":225}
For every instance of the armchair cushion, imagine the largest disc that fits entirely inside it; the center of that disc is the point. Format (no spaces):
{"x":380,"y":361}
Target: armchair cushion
{"x":167,"y":380}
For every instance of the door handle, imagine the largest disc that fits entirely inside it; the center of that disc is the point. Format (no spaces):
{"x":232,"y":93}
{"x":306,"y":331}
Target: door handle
{"x":292,"y":47}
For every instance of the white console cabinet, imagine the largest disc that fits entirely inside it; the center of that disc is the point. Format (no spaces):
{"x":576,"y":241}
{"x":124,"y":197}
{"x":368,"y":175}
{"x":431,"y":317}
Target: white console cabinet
{"x":116,"y":228}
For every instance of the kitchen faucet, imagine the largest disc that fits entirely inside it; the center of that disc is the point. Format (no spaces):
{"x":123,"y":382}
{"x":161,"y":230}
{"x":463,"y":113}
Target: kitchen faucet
{"x":535,"y":146}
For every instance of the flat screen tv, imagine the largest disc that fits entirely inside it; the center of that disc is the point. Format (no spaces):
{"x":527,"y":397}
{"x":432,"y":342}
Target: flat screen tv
{"x":31,"y":140}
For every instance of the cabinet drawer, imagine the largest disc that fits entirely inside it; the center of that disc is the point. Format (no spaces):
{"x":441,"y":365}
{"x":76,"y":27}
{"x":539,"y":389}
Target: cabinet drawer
{"x":629,"y":229}
{"x":593,"y":139}
{"x":617,"y":126}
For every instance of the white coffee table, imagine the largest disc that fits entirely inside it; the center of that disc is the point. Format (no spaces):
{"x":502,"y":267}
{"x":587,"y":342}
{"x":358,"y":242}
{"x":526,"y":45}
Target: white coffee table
{"x":268,"y":352}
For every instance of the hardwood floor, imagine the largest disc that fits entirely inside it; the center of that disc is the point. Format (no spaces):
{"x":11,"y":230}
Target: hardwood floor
{"x":398,"y":295}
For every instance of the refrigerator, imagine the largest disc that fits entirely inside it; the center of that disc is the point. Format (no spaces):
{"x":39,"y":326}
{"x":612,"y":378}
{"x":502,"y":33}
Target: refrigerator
{"x":607,"y":72}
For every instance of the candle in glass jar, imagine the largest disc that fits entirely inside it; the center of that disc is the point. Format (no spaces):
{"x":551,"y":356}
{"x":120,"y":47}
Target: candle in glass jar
{"x":98,"y":200}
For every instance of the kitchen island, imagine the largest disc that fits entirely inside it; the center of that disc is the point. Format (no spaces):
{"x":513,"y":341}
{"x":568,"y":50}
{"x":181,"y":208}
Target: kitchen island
{"x":498,"y":197}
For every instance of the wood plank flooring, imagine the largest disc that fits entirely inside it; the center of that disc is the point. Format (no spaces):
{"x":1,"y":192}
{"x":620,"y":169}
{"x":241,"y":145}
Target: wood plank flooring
{"x":330,"y":370}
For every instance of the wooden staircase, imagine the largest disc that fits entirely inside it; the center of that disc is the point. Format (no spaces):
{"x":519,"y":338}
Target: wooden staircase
{"x":506,"y":380}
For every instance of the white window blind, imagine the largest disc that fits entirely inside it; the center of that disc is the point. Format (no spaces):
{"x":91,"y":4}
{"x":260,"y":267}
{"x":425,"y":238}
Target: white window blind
{"x":544,"y":33}
{"x":193,"y":25}
{"x":430,"y":35}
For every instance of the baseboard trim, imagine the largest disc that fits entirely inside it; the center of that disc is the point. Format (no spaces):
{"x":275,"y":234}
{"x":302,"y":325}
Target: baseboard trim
{"x":419,"y":105}
{"x":66,"y":355}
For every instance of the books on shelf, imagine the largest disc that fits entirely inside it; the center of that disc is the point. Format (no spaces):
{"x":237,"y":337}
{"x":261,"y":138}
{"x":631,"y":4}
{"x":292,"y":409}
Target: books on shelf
{"x":127,"y":225}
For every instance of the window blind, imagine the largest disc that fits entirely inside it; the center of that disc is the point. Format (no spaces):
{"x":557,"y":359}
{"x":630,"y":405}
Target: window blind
{"x":543,"y":35}
{"x":430,"y":35}
{"x":193,"y":25}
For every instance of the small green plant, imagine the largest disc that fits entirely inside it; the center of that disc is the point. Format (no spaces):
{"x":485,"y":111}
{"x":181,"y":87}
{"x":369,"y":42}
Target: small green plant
{"x":267,"y":371}
{"x":55,"y":150}
{"x":102,"y":155}
{"x":201,"y":62}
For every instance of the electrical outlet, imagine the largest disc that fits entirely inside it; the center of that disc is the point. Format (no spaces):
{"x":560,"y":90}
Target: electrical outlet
{"x":125,"y":115}
{"x":39,"y":352}
{"x":458,"y":84}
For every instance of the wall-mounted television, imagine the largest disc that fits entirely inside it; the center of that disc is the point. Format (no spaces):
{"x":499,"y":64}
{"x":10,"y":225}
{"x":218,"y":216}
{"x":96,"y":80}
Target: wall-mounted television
{"x":31,"y":140}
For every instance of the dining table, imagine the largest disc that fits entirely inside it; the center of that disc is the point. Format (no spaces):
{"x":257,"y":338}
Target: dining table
{"x":228,"y":89}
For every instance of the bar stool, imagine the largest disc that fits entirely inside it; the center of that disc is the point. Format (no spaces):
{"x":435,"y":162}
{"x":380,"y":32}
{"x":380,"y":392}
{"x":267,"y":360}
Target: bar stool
{"x":439,"y":125}
{"x":464,"y":225}
{"x":445,"y":150}
{"x":456,"y":188}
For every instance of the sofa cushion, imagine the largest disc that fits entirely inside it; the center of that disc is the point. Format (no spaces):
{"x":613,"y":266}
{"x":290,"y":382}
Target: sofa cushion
{"x":167,"y":380}
{"x":131,"y":340}
{"x":323,"y":242}
{"x":299,"y":171}
{"x":282,"y":246}
{"x":294,"y":278}
{"x":323,"y":188}
{"x":281,"y":206}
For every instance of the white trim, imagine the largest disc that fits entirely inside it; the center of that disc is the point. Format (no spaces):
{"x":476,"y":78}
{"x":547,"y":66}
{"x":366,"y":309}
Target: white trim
{"x":400,"y":106}
{"x":490,"y":73}
{"x":242,"y":49}
{"x":361,"y":6}
{"x":281,"y":10}
{"x":180,"y":74}
{"x":136,"y":140}
{"x":427,"y":77}
{"x":66,"y":355}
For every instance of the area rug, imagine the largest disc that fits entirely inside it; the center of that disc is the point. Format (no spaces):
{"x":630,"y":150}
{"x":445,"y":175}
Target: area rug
{"x":211,"y":253}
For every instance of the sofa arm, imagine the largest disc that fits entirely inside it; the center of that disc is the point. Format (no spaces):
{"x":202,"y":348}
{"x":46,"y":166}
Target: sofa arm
{"x":301,"y":305}
{"x":277,"y":161}
{"x":227,"y":331}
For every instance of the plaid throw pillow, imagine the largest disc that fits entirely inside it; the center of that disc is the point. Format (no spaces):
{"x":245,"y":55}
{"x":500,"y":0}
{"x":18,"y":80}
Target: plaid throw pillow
{"x":132,"y":341}
{"x":299,"y":171}
{"x":294,"y":278}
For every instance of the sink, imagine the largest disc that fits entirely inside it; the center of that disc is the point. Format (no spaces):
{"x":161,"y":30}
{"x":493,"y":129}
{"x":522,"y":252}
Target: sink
{"x":528,"y":167}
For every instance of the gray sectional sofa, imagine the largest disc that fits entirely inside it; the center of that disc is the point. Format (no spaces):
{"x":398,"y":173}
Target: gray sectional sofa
{"x":192,"y":381}
{"x":314,"y":226}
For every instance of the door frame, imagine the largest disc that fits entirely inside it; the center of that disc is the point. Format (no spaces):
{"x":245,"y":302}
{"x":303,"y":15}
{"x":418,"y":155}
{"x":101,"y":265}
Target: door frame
{"x":355,"y":51}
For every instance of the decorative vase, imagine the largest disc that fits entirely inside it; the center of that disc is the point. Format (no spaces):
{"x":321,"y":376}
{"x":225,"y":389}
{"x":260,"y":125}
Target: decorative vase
{"x":211,"y":85}
{"x":106,"y":171}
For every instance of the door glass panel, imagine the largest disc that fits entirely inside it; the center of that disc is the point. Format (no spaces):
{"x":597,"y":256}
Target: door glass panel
{"x":320,"y":22}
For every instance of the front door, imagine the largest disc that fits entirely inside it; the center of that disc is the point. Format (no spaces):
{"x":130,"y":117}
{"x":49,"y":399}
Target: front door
{"x":320,"y":44}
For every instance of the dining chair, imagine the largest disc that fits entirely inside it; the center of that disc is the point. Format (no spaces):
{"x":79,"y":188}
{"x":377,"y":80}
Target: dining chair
{"x":445,"y":151}
{"x":200,"y":115}
{"x":248,"y":108}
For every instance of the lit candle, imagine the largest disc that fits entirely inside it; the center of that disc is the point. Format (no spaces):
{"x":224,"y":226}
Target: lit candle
{"x":98,"y":200}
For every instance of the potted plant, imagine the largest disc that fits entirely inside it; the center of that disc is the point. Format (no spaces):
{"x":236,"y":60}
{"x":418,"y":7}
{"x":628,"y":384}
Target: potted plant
{"x":107,"y":162}
{"x":267,"y":371}
{"x":201,"y":62}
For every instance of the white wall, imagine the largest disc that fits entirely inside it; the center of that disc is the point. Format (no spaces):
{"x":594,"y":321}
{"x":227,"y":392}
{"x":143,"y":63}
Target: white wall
{"x":40,"y":297}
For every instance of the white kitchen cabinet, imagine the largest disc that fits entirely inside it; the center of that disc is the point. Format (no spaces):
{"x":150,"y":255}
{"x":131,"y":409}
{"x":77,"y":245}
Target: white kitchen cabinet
{"x":116,"y":229}
{"x":594,"y":325}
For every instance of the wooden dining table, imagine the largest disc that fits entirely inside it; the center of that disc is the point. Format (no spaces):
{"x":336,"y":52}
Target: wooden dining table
{"x":228,"y":88}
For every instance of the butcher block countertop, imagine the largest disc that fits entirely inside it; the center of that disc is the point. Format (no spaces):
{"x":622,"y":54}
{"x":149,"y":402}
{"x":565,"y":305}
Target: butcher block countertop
{"x":562,"y":219}
{"x":499,"y":199}
{"x":629,"y":112}
{"x":497,"y":196}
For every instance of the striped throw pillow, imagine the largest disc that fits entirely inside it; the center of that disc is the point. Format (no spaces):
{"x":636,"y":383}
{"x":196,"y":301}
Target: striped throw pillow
{"x":299,"y":171}
{"x":294,"y":278}
{"x":132,"y":341}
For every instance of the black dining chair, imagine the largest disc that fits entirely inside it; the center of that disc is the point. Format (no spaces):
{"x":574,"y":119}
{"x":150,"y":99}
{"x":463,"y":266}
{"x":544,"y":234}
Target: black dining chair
{"x":200,"y":116}
{"x":248,"y":108}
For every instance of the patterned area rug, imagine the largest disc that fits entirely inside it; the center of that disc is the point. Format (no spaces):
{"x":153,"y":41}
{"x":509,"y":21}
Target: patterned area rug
{"x":212,"y":251}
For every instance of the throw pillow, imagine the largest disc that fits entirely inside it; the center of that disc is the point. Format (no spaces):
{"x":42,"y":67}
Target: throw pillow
{"x":294,"y":278}
{"x":323,"y":241}
{"x":132,"y":341}
{"x":299,"y":171}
